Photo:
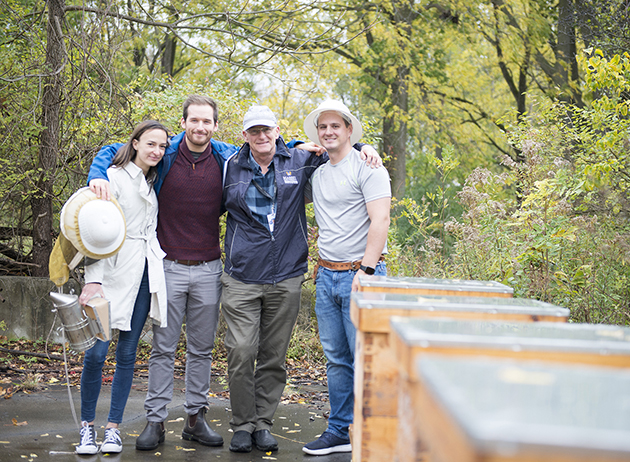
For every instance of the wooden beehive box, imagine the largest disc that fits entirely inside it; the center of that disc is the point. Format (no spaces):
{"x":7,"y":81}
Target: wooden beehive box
{"x":490,"y":410}
{"x":590,"y":344}
{"x":427,"y":286}
{"x":376,"y":369}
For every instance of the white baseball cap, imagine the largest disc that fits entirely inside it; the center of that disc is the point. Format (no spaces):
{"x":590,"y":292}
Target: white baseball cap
{"x":95,"y":227}
{"x":310,"y":123}
{"x":259,"y":115}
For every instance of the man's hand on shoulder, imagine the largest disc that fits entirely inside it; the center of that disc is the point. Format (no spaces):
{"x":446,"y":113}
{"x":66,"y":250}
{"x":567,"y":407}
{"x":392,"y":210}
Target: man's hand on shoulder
{"x":312,"y":147}
{"x":100,"y":187}
{"x":371,"y":157}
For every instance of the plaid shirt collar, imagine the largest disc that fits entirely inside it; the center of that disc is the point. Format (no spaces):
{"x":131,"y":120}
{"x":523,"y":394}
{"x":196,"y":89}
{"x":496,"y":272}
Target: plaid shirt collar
{"x":261,"y":192}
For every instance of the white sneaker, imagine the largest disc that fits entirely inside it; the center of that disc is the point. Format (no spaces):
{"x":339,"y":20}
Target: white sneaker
{"x":87,"y":445}
{"x":112,"y":442}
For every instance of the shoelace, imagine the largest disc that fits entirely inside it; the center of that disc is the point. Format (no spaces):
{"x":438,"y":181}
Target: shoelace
{"x":87,"y":437}
{"x":112,"y":435}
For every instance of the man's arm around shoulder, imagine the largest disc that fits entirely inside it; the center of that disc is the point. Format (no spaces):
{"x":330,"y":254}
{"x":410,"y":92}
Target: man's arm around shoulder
{"x":225,"y":150}
{"x":97,"y":176}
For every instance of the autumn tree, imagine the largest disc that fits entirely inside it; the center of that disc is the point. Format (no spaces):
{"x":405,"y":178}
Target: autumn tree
{"x":535,"y":47}
{"x":67,"y":83}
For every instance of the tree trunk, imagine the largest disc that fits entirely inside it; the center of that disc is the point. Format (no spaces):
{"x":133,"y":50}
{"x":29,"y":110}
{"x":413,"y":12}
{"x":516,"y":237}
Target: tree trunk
{"x":41,"y":201}
{"x":566,"y":63}
{"x":395,"y":129}
{"x":168,"y":56}
{"x":395,"y":133}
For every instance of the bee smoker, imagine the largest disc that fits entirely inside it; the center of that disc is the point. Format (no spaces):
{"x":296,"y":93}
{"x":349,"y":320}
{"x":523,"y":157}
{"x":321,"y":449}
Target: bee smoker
{"x":84,"y":325}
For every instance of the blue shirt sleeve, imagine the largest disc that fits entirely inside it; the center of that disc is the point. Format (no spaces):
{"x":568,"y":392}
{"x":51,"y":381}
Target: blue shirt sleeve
{"x":102,"y":162}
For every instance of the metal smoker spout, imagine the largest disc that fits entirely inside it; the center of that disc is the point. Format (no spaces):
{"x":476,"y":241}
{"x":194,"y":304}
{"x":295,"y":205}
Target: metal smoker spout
{"x":62,"y":299}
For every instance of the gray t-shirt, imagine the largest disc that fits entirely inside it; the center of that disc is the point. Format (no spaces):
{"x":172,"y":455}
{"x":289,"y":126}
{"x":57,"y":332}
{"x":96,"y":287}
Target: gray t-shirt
{"x":339,"y":193}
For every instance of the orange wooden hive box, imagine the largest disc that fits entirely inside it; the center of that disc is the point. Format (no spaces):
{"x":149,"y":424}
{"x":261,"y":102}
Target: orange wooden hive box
{"x":376,"y":368}
{"x":413,"y":338}
{"x":501,"y":410}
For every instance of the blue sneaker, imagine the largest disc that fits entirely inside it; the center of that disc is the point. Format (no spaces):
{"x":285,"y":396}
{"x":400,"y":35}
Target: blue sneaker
{"x":112,"y":444}
{"x":327,"y":443}
{"x":87,"y":446}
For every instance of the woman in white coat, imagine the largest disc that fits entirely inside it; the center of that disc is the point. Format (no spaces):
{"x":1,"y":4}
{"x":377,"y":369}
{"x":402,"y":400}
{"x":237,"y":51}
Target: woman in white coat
{"x":132,"y":280}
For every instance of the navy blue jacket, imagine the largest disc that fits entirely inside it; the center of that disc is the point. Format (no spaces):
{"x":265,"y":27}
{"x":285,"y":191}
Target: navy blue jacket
{"x":253,"y":255}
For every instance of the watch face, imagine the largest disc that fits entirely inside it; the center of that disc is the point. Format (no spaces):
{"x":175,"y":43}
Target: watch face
{"x":367,"y":269}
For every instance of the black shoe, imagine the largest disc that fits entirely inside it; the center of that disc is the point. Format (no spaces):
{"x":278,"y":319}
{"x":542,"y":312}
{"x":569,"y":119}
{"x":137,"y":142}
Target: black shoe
{"x":201,"y":431}
{"x":241,"y":442}
{"x":264,"y":441}
{"x":151,"y":437}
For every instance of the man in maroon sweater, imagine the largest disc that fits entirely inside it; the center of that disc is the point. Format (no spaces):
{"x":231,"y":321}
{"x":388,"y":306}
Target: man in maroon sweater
{"x":189,"y":190}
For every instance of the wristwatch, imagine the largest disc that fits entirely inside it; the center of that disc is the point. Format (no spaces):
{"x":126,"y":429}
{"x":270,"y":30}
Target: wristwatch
{"x":367,"y":269}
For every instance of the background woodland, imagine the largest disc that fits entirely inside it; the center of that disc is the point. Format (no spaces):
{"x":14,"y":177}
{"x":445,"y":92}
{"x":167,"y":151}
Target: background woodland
{"x":504,"y":123}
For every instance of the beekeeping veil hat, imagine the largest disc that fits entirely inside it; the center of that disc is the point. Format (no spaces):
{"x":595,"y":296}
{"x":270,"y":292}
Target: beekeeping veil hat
{"x":89,"y":227}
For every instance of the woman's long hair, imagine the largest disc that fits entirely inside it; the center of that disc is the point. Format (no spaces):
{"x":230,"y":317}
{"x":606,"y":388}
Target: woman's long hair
{"x":127,"y":153}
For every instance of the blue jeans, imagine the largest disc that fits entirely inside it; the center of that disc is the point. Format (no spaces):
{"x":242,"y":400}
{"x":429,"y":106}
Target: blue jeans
{"x":337,"y":335}
{"x":91,"y":378}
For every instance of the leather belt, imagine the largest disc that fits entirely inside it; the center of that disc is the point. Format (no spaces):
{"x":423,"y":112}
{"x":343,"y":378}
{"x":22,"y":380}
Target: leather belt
{"x":339,"y":266}
{"x":188,"y":262}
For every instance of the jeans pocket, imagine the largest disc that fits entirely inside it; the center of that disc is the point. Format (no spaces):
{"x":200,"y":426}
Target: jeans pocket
{"x":319,"y":271}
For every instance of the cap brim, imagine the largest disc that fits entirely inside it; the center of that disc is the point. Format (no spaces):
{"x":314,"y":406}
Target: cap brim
{"x":264,"y":123}
{"x":311,"y":130}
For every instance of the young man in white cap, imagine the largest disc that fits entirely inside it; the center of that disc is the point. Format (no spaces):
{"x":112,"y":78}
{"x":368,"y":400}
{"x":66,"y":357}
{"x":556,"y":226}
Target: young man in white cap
{"x":266,"y":253}
{"x":352,"y":205}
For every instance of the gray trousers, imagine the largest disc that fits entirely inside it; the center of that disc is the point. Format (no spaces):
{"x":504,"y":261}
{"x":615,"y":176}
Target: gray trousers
{"x":260,"y":319}
{"x":193,"y":293}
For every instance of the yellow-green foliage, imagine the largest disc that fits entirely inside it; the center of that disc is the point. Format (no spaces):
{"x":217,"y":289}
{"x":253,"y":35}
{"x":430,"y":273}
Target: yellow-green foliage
{"x":563,"y":234}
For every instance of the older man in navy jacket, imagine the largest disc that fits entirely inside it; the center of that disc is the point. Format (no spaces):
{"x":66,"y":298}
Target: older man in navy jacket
{"x":266,"y":253}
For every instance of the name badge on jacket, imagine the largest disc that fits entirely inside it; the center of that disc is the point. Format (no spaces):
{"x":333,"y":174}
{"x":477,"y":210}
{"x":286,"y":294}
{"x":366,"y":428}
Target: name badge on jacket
{"x":289,"y":179}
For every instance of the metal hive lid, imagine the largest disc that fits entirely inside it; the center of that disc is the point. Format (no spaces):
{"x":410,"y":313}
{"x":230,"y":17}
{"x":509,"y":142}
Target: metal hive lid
{"x":382,"y":300}
{"x":434,"y":284}
{"x":513,"y":406}
{"x":516,"y":336}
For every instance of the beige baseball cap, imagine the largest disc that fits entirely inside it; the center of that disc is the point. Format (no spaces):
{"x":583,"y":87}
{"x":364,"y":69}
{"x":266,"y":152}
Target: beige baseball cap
{"x":259,"y":115}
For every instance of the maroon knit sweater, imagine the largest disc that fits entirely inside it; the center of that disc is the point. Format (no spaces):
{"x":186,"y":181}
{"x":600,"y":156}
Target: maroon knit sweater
{"x":190,"y":206}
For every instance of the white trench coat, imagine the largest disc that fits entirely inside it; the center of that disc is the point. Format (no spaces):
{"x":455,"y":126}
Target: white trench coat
{"x":121,"y":274}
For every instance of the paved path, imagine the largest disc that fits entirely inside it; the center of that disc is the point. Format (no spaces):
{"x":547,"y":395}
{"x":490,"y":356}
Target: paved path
{"x":50,"y":432}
